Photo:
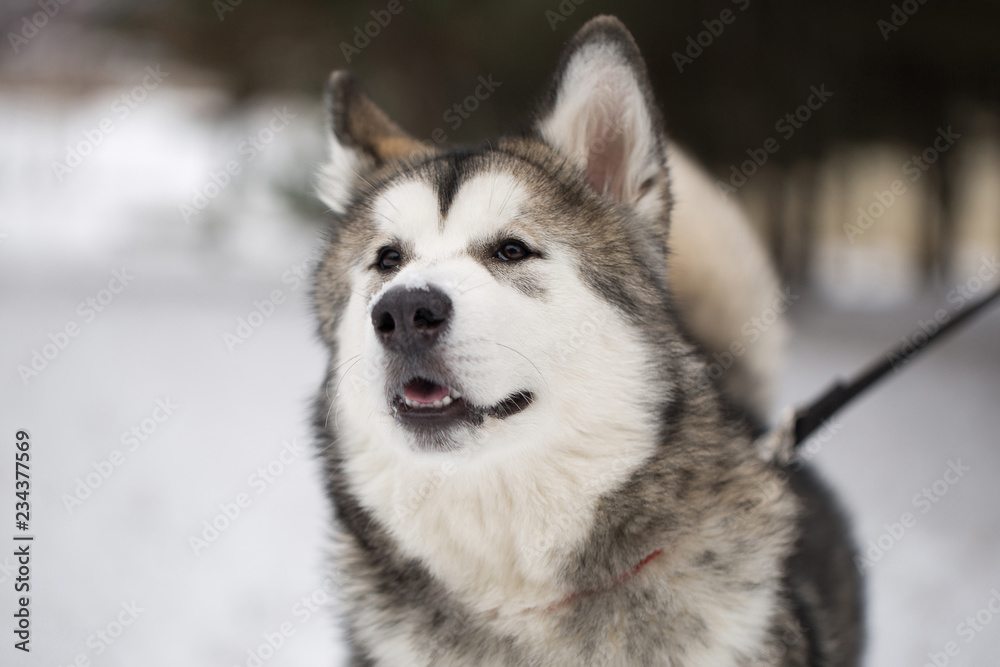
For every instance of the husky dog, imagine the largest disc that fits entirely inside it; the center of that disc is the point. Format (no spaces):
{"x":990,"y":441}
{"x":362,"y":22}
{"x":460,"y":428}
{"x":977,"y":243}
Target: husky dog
{"x":531,"y":458}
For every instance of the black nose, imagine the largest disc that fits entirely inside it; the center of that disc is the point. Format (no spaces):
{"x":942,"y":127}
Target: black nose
{"x":411,"y":320}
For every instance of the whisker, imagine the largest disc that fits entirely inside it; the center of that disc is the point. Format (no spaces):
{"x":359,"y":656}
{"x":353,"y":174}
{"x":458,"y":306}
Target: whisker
{"x":507,"y":198}
{"x":383,"y":215}
{"x":344,"y":376}
{"x":537,"y":370}
{"x":469,"y":289}
{"x":371,"y":187}
{"x":341,"y":365}
{"x":467,"y":276}
{"x":333,"y":400}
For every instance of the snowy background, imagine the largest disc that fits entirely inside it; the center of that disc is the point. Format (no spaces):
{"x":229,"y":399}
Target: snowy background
{"x":118,"y":545}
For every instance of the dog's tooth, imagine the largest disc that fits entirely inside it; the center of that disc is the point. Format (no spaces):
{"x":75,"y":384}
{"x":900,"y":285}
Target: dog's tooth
{"x":438,"y":404}
{"x":456,"y":394}
{"x":446,"y":400}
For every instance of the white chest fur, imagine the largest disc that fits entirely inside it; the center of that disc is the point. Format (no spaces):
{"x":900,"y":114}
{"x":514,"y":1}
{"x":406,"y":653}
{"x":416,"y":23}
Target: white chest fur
{"x":494,"y":526}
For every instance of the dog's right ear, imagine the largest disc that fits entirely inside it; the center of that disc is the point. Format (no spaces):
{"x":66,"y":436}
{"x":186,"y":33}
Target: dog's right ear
{"x":361,"y":138}
{"x":601,"y":115}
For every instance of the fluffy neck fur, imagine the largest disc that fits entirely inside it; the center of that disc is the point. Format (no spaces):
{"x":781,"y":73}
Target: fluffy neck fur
{"x":491,"y":547}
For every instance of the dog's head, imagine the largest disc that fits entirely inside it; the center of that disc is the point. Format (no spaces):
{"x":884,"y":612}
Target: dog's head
{"x":473,"y":293}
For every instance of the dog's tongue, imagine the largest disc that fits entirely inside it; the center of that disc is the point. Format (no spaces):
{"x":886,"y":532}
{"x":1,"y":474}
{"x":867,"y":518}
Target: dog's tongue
{"x":424,"y":391}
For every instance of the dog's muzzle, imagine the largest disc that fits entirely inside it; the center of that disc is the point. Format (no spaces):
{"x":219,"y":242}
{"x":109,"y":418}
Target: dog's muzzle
{"x":409,"y":323}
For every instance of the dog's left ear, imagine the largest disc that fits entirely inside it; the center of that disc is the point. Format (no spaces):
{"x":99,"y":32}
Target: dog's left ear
{"x":600,"y":113}
{"x":361,"y":138}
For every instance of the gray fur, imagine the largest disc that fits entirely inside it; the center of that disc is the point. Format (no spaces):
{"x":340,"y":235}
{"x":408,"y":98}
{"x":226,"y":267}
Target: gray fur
{"x":734,"y":527}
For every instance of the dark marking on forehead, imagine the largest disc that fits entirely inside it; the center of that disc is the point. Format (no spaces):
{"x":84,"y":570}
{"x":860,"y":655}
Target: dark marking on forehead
{"x":452,"y":170}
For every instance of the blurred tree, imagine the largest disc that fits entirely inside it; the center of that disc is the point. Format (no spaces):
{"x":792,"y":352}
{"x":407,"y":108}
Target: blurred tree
{"x":730,"y":73}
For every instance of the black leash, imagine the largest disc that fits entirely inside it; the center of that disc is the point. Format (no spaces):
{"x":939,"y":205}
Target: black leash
{"x":808,"y":418}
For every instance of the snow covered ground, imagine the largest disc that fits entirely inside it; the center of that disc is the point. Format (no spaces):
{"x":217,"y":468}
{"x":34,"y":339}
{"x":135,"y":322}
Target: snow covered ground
{"x":149,"y":423}
{"x":898,"y":442}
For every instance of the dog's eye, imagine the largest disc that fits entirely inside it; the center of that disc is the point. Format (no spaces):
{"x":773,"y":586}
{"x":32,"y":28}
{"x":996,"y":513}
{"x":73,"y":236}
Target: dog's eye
{"x":388,"y":258}
{"x":511,"y":251}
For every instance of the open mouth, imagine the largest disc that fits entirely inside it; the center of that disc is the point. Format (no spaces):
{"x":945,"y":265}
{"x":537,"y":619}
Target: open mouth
{"x":426,"y":403}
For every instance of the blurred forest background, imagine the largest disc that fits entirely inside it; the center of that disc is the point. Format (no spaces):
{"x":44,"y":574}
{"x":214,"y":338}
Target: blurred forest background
{"x":172,"y":145}
{"x":726,"y":71}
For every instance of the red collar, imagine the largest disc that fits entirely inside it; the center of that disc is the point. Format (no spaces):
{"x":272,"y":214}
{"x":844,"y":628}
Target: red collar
{"x":608,"y":586}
